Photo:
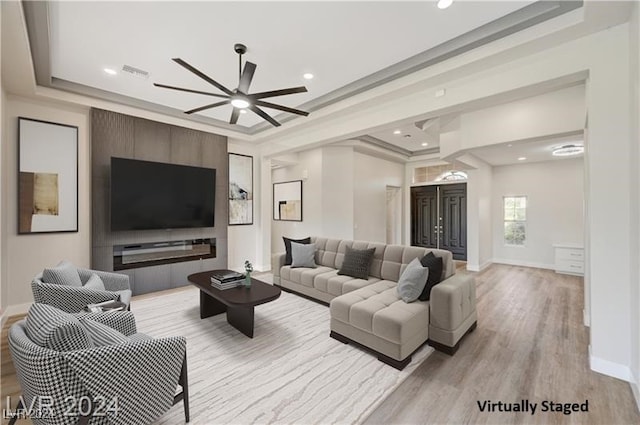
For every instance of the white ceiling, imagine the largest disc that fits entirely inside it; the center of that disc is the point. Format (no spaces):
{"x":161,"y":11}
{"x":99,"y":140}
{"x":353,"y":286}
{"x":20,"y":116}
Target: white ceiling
{"x":339,"y":42}
{"x":533,"y":151}
{"x":410,"y":138}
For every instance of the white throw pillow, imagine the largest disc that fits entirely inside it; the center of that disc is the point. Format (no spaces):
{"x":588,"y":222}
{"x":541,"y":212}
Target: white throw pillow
{"x":412,"y":281}
{"x":303,"y":255}
{"x":65,"y":273}
{"x":95,"y":282}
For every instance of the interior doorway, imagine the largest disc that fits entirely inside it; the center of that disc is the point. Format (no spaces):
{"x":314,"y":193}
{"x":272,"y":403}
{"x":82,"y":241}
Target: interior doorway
{"x":439,"y":218}
{"x":394,"y":215}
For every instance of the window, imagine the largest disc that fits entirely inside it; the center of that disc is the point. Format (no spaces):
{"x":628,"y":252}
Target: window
{"x":451,"y":176}
{"x":515,"y":219}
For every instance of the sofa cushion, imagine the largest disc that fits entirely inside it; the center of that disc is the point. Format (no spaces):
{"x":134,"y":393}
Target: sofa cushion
{"x":101,"y":334}
{"x":435,"y":274}
{"x":412,"y":281}
{"x":65,"y":273}
{"x":55,"y":329}
{"x":95,"y":282}
{"x":287,"y":247}
{"x":303,"y":276}
{"x":376,"y":309}
{"x":357,"y":262}
{"x":303,"y":255}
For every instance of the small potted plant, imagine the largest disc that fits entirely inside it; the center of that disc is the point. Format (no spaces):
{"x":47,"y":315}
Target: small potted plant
{"x":248,"y":268}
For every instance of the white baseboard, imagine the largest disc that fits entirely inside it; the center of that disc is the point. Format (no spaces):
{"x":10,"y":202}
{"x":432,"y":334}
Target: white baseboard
{"x":610,"y":368}
{"x":13,"y":310}
{"x":524,"y":263}
{"x":636,"y":391}
{"x":478,"y":268}
{"x":585,"y":318}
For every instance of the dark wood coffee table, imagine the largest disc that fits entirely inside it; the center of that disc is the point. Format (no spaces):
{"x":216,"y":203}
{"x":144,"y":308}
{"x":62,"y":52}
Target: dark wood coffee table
{"x":238,"y":302}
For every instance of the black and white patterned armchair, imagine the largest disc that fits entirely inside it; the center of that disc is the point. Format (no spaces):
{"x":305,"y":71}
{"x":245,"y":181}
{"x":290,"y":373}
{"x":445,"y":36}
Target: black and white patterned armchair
{"x":71,"y":289}
{"x":134,"y":382}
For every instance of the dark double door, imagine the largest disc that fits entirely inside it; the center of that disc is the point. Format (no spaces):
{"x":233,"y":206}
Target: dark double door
{"x":439,"y":218}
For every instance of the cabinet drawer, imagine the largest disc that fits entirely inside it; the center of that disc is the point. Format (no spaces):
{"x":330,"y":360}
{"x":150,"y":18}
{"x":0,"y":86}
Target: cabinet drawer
{"x":573,"y":254}
{"x":569,"y":266}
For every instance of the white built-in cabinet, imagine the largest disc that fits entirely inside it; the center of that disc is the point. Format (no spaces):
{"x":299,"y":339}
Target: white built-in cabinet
{"x":569,"y":258}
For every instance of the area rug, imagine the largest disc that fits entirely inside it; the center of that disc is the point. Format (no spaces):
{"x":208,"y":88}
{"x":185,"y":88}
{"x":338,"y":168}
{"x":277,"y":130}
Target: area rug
{"x":291,"y":372}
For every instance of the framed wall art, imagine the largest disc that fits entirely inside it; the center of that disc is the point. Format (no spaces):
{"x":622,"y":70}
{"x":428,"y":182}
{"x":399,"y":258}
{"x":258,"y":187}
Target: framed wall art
{"x":240,"y":189}
{"x":287,"y":201}
{"x":47,"y":177}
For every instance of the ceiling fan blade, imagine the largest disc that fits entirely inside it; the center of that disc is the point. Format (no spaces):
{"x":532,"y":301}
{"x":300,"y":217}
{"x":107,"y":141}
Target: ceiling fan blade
{"x":203,"y":76}
{"x":164,"y":86}
{"x":281,"y":92}
{"x":280,"y":107}
{"x":234,"y":116}
{"x":247,"y":76}
{"x":264,"y":115}
{"x":202,"y":108}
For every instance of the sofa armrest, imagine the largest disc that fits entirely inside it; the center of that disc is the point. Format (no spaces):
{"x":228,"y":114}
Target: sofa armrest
{"x":452,"y":301}
{"x":71,"y":299}
{"x":277,"y":261}
{"x":112,"y":281}
{"x":122,"y":321}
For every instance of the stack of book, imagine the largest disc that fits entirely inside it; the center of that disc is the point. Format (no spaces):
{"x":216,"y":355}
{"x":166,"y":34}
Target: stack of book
{"x":226,"y":280}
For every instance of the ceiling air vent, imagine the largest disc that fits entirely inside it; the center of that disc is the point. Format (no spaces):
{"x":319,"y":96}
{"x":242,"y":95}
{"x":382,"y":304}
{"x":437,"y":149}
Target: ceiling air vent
{"x":136,"y":72}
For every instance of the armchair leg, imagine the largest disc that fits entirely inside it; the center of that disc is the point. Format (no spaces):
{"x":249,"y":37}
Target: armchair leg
{"x":184,"y":394}
{"x":14,"y":418}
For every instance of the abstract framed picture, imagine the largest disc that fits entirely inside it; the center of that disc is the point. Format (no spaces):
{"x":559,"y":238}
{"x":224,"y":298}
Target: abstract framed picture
{"x":240,"y":189}
{"x":287,"y":201}
{"x":47,"y":177}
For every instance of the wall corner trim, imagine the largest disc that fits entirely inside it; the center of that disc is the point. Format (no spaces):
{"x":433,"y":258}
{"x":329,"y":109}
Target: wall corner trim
{"x":585,"y":318}
{"x":635,"y":388}
{"x":609,"y":368}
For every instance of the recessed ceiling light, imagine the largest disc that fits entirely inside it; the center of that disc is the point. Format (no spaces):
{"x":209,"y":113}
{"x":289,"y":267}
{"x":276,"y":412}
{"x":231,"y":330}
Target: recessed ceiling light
{"x":443,"y":4}
{"x":509,"y":145}
{"x":243,"y":111}
{"x":308,"y":76}
{"x":568,"y":150}
{"x":522,"y":158}
{"x":397,"y":132}
{"x":110,"y":71}
{"x":425,"y":144}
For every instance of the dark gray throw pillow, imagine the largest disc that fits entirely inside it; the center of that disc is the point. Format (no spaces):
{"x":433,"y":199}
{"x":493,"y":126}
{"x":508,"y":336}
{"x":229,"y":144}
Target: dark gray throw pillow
{"x":287,"y":247}
{"x":357,"y":262}
{"x":435,"y":274}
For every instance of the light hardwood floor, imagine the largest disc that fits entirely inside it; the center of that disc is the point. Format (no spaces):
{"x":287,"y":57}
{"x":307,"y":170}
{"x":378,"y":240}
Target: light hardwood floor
{"x":530,"y":344}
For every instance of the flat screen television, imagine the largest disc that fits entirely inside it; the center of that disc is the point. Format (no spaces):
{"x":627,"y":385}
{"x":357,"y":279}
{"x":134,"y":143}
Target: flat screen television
{"x":153,"y":195}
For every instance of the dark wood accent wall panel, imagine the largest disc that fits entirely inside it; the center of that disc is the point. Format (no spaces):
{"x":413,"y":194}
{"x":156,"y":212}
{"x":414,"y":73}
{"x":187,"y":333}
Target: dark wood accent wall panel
{"x":114,"y":134}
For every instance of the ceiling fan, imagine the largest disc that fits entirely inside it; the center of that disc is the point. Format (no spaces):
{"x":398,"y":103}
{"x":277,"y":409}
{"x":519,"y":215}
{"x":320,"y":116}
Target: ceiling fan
{"x":240,"y":98}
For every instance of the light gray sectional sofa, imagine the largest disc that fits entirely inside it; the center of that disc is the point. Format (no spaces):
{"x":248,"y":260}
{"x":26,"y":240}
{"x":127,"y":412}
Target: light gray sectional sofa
{"x":370,"y":313}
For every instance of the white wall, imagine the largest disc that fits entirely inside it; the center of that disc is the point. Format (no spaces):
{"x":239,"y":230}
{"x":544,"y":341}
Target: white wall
{"x":344,"y":195}
{"x":634,"y":158}
{"x":337,"y":192}
{"x":557,"y":112}
{"x":555,"y":199}
{"x":609,"y":169}
{"x":371,"y":178}
{"x":479,"y":213}
{"x":311,"y":224}
{"x":27,"y":255}
{"x":242,"y":242}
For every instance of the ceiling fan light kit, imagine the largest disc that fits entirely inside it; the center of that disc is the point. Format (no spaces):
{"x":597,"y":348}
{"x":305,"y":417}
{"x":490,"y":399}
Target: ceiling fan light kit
{"x":240,"y":98}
